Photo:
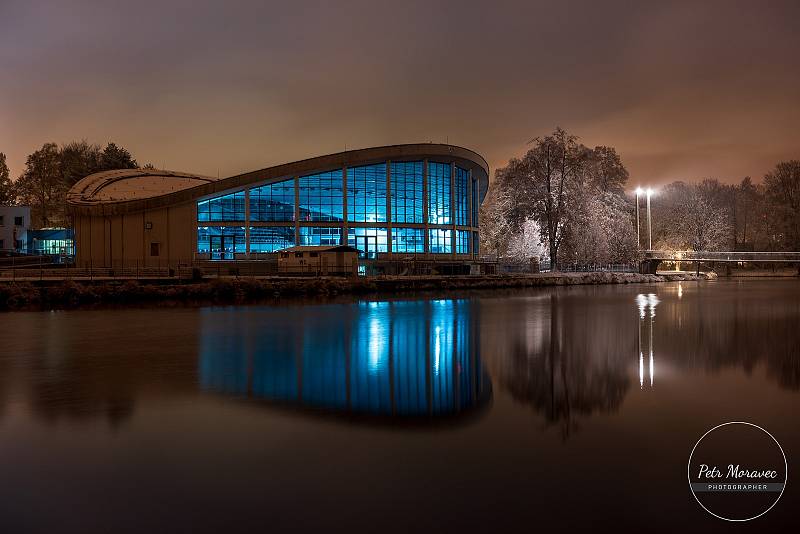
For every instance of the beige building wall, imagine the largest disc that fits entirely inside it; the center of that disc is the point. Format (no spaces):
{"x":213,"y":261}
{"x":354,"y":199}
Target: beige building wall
{"x":161,"y":237}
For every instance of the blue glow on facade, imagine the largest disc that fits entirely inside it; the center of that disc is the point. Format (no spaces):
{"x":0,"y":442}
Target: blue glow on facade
{"x":441,"y":241}
{"x":271,"y":238}
{"x":462,"y":197}
{"x":393,"y":359}
{"x":273,"y":202}
{"x":449,"y":197}
{"x":370,"y":241}
{"x":222,"y":209}
{"x":315,"y":235}
{"x":439,"y":205}
{"x":221,"y":242}
{"x":366,"y":193}
{"x":321,"y":197}
{"x":463,"y":237}
{"x":407,"y":192}
{"x":408,"y":240}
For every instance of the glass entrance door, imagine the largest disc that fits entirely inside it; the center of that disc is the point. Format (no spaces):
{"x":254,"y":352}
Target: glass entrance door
{"x":367,"y":246}
{"x":218,"y":249}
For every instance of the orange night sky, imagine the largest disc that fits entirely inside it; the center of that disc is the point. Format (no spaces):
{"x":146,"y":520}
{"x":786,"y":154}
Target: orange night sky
{"x":682,"y":90}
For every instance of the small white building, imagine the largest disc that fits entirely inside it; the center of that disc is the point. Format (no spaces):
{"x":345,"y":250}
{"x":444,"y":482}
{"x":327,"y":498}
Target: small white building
{"x":14,"y":224}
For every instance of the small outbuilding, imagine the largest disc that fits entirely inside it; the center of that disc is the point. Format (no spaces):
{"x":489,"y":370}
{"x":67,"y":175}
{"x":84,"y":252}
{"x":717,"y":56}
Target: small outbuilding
{"x":323,"y":260}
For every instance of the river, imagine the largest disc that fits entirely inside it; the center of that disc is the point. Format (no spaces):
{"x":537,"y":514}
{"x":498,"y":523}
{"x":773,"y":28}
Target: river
{"x":555,"y":409}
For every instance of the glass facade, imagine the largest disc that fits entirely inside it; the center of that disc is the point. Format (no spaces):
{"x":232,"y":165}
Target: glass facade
{"x":273,"y":202}
{"x":369,"y":241}
{"x":271,"y":238}
{"x":316,"y":235}
{"x":476,"y":243}
{"x":439,"y":206}
{"x":220,"y":209}
{"x":407,"y":192}
{"x":441,"y":241}
{"x":408,"y":240}
{"x":425,"y":206}
{"x":461,"y":198}
{"x":366,"y":193}
{"x":476,"y":203}
{"x":321,"y":197}
{"x":221,"y":242}
{"x":463,"y":237}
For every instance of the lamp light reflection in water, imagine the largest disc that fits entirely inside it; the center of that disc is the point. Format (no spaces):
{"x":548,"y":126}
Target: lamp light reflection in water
{"x":646,"y":305}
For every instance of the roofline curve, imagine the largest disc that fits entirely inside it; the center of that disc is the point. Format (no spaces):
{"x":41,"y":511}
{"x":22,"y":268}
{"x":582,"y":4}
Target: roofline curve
{"x":78,"y":204}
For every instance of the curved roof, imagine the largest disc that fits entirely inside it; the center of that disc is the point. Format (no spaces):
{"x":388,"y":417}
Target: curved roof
{"x":135,"y":190}
{"x":131,"y":184}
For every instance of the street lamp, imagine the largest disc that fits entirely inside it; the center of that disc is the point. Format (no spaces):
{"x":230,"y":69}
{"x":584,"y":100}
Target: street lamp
{"x":649,"y":221}
{"x":639,"y":191}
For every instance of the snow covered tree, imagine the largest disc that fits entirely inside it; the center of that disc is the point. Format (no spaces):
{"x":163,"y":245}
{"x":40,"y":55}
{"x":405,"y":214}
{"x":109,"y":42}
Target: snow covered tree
{"x":573,"y":196}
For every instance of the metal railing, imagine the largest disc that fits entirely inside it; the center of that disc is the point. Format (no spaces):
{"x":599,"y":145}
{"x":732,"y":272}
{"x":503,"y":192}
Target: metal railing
{"x":590,"y":267}
{"x":677,"y":255}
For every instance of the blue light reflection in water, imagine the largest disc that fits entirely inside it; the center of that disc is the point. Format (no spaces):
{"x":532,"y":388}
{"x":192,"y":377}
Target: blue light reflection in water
{"x":405,"y":358}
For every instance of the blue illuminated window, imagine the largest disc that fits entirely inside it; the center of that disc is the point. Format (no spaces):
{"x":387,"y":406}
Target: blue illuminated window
{"x":366,"y":193}
{"x":441,"y":241}
{"x":462,"y":197}
{"x":273,"y":202}
{"x":476,"y":203}
{"x":407,"y":197}
{"x":369,"y":241}
{"x":321,"y":196}
{"x":271,"y":238}
{"x":313,"y":236}
{"x":439,"y":206}
{"x":463,"y":238}
{"x":406,"y":240}
{"x":224,"y":208}
{"x":221,"y":242}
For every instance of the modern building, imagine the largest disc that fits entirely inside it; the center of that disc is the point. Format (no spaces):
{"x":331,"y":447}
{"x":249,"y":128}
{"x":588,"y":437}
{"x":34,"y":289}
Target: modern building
{"x":400,"y":200}
{"x":51,"y":241}
{"x":14,"y":224}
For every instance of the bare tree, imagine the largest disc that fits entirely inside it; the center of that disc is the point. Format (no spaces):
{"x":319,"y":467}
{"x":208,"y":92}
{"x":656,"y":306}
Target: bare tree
{"x":7,"y":194}
{"x":543,"y":183}
{"x":782,"y":186}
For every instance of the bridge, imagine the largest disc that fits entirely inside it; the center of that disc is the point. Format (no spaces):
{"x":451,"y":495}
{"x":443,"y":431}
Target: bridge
{"x":654,"y":257}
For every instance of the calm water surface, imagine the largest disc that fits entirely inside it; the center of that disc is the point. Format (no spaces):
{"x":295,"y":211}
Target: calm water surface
{"x":561,"y":409}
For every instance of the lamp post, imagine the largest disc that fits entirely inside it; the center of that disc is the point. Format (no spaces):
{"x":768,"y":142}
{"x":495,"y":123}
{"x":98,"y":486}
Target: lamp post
{"x":639,"y":191}
{"x":649,"y":222}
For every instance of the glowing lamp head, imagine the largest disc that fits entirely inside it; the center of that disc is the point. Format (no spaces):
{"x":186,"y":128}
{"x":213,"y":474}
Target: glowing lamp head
{"x":639,"y":191}
{"x":650,"y":192}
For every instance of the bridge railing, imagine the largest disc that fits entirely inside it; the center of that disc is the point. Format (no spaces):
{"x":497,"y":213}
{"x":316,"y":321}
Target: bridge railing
{"x":674,"y":255}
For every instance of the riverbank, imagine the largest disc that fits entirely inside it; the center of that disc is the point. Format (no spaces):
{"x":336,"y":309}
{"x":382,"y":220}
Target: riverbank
{"x":229,"y":290}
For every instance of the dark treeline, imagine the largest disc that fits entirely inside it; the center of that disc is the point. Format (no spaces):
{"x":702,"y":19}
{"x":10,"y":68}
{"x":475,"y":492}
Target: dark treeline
{"x":52,"y":170}
{"x":565,"y":201}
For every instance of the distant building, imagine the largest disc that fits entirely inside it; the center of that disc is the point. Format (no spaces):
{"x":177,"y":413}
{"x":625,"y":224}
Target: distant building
{"x":51,"y":241}
{"x":15,"y":221}
{"x":324,"y":260}
{"x":418,"y":200}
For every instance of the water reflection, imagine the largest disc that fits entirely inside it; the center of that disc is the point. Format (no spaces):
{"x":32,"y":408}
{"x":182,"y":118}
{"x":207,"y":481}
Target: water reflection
{"x":402,"y":359}
{"x":567,"y":361}
{"x":568,"y":353}
{"x":647,"y":309}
